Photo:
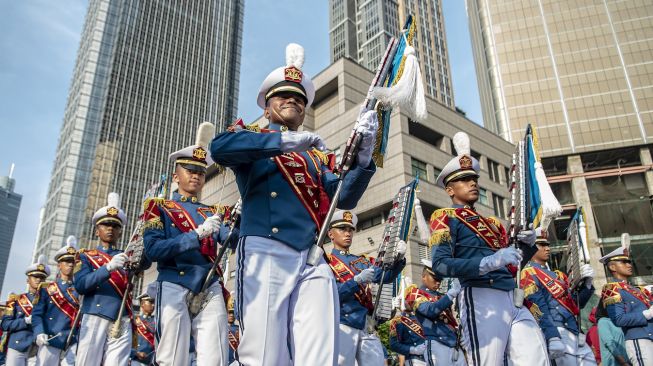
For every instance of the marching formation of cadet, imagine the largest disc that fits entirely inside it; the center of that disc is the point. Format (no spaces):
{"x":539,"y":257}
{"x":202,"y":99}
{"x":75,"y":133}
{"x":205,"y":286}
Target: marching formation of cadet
{"x":288,"y":309}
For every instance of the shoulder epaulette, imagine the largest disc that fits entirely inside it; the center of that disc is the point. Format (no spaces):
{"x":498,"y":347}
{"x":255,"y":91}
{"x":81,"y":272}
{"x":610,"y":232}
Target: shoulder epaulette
{"x":151,"y":215}
{"x":610,"y":294}
{"x":152,"y":201}
{"x":534,"y":309}
{"x":439,"y":225}
{"x":528,"y":284}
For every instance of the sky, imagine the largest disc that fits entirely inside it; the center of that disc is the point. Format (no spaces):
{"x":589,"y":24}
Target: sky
{"x":38,"y":47}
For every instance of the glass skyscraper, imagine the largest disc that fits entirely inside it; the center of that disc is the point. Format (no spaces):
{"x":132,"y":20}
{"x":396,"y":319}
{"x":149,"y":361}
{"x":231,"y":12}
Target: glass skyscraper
{"x":9,"y":207}
{"x":580,"y":72}
{"x":361,"y":29}
{"x":147,"y":74}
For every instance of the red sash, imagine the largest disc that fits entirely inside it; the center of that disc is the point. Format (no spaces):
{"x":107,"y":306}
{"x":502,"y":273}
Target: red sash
{"x":413,"y":326}
{"x":446,"y":316}
{"x":145,"y":330}
{"x":294,"y":168}
{"x":557,"y":288}
{"x":344,"y":273}
{"x":234,"y":340}
{"x":118,"y":278}
{"x":59,"y":299}
{"x":25,"y":304}
{"x":185,"y":223}
{"x":492,"y":235}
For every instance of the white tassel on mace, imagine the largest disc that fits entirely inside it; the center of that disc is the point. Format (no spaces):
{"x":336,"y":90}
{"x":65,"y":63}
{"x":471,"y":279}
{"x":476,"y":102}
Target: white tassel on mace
{"x":408,"y":92}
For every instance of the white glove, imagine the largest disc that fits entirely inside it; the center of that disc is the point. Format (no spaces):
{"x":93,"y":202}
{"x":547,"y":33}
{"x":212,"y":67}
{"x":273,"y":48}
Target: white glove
{"x":454,"y":290}
{"x":293,"y":141}
{"x":209,"y":226}
{"x":401,"y":248}
{"x":556,"y":348}
{"x":500,"y":259}
{"x":118,"y":261}
{"x":418,"y":350}
{"x":42,"y":340}
{"x":528,"y":236}
{"x":366,"y":125}
{"x":365,"y":276}
{"x":28,"y":319}
{"x":586,"y":271}
{"x":396,"y":302}
{"x":648,"y":313}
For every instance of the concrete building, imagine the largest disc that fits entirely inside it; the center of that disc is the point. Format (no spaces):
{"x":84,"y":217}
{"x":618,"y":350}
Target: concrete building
{"x":147,"y":74}
{"x":412,"y":148}
{"x":581,"y":72}
{"x":361,"y":29}
{"x":9,"y":207}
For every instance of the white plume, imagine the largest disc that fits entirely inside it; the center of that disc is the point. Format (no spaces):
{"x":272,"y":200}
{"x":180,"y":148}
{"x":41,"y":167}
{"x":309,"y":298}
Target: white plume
{"x":42,"y":259}
{"x":426,"y":263}
{"x":71,"y":241}
{"x":294,"y":55}
{"x":205,"y":133}
{"x":461,"y":143}
{"x":114,"y":200}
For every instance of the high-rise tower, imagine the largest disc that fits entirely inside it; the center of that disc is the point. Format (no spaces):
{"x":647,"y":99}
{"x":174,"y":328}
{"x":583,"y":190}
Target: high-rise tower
{"x":147,"y":74}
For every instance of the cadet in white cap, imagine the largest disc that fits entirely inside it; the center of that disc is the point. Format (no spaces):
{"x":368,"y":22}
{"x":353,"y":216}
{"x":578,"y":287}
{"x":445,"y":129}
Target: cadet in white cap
{"x":17,"y":319}
{"x":56,"y":309}
{"x":182,"y":235}
{"x":100,"y":277}
{"x":354,"y":275}
{"x":475,"y":249}
{"x":629,"y":307}
{"x":144,"y":325}
{"x":287,"y":309}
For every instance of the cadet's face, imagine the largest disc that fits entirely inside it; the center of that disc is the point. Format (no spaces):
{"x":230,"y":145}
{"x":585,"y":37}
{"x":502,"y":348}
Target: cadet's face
{"x":286,"y":109}
{"x":147,"y":306}
{"x":190,"y":182}
{"x":463,"y":191}
{"x":231,"y":318}
{"x":34,"y":281}
{"x":429,"y":281}
{"x":108,"y":232}
{"x":66,"y":267}
{"x":543,"y":253}
{"x":341,"y":236}
{"x":622,"y":268}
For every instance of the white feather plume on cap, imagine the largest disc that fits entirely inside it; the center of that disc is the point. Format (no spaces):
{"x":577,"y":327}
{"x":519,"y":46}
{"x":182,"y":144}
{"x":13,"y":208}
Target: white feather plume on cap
{"x":113,"y":200}
{"x":461,"y":143}
{"x":42,"y":259}
{"x":294,"y":55}
{"x":205,"y":133}
{"x":71,"y":241}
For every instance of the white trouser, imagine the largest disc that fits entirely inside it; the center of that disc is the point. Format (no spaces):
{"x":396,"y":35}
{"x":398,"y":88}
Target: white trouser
{"x":494,"y":329}
{"x":357,"y":347}
{"x":640,"y":352}
{"x":574,"y":354}
{"x":288,"y":309}
{"x":174,"y":327}
{"x":439,"y":354}
{"x":49,"y":356}
{"x":95,"y":347}
{"x":15,"y":358}
{"x":413,"y":362}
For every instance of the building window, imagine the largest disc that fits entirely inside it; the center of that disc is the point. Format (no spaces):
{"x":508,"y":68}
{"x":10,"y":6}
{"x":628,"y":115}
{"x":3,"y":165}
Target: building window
{"x":369,"y":222}
{"x":418,"y":167}
{"x":499,"y":206}
{"x":482,"y":196}
{"x":493,"y":170}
